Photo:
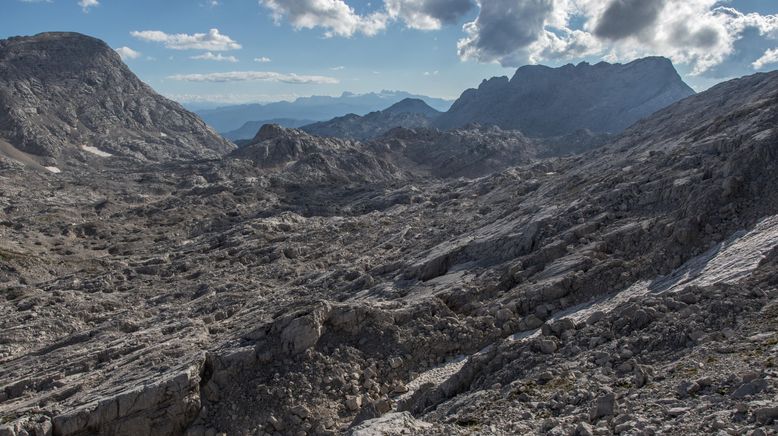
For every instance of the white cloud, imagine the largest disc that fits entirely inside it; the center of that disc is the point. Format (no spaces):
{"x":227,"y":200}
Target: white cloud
{"x":697,"y":33}
{"x":335,"y":16}
{"x":230,"y":98}
{"x":431,"y":73}
{"x":213,"y":40}
{"x":338,"y":68}
{"x":208,"y":56}
{"x":86,"y":4}
{"x":127,"y":53}
{"x":769,"y":57}
{"x":244,"y":76}
{"x":262,"y":59}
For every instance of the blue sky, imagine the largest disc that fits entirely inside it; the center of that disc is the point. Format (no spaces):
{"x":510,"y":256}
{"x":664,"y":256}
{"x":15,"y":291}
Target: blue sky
{"x":279,"y":49}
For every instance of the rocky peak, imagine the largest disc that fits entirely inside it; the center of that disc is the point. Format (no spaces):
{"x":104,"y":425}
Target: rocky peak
{"x":545,"y":102}
{"x":269,"y":131}
{"x":62,"y":93}
{"x":412,"y":106}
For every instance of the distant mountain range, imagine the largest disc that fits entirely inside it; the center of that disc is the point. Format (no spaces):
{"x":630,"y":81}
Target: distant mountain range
{"x":581,"y":101}
{"x":315,"y":108}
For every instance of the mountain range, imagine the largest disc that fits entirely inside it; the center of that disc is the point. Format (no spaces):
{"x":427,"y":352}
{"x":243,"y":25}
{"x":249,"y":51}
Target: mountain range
{"x":538,"y":101}
{"x":316,"y":108}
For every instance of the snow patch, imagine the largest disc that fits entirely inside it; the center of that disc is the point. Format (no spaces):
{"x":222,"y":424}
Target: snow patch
{"x":54,"y":170}
{"x":96,"y":151}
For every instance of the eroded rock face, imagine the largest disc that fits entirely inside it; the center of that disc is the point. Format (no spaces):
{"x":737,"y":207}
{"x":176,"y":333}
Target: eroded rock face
{"x":60,"y":92}
{"x":629,"y":289}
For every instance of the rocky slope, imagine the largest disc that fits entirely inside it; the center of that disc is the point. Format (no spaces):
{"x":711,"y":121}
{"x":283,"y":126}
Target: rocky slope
{"x":543,"y":102}
{"x":400,"y":154}
{"x":409,"y":113}
{"x":68,"y":95}
{"x":628,"y":290}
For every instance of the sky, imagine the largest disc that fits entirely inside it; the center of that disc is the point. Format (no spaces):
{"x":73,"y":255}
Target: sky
{"x":240,"y":51}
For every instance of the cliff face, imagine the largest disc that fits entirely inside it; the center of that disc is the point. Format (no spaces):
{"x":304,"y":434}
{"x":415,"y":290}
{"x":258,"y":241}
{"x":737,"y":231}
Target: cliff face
{"x":543,"y":102}
{"x":60,"y":92}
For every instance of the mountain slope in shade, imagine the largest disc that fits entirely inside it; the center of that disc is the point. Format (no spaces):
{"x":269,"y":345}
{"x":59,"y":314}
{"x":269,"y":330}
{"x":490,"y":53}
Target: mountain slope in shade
{"x":317,"y":108}
{"x":408,"y":113}
{"x":541,"y":101}
{"x":63,"y":93}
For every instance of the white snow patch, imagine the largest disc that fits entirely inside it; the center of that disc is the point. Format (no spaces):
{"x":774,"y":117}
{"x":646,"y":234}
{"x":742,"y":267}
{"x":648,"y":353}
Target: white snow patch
{"x":727,"y":262}
{"x":162,"y":135}
{"x":54,"y":170}
{"x":96,"y":151}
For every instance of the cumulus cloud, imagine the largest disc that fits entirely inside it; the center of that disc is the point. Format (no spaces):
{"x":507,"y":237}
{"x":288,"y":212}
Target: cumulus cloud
{"x":212,"y":41}
{"x":86,"y":4}
{"x":769,"y":57}
{"x":127,"y":53}
{"x":208,"y":56}
{"x":698,"y":33}
{"x":427,"y":14}
{"x":245,"y":76}
{"x":335,"y":16}
{"x":262,"y":59}
{"x":701,"y":34}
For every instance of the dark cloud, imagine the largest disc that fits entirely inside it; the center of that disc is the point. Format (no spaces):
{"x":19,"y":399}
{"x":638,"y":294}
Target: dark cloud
{"x":625,"y":18}
{"x":705,"y":37}
{"x":504,"y":29}
{"x":447,"y":11}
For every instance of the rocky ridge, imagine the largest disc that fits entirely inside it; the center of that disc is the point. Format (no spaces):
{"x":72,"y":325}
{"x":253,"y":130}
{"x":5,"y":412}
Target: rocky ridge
{"x":544,"y":102}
